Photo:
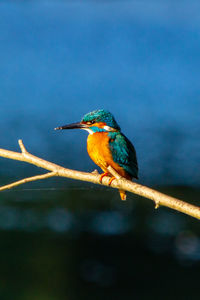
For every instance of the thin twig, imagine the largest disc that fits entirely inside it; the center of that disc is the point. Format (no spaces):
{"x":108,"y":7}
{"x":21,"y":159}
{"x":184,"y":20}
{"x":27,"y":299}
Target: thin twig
{"x":28,"y":179}
{"x":22,"y":147}
{"x":114,"y":173}
{"x":120,"y":183}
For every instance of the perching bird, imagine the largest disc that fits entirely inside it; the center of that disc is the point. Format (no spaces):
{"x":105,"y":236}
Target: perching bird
{"x":106,"y":145}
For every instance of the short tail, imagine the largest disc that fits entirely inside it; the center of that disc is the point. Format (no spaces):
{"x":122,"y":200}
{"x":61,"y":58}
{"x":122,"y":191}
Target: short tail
{"x":122,"y":194}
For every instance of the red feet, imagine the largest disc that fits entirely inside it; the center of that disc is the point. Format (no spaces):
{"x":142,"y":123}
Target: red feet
{"x":102,"y":176}
{"x":106,"y":174}
{"x":111,"y":180}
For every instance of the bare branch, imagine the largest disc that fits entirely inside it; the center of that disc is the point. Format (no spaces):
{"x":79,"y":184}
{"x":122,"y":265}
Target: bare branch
{"x":120,"y":183}
{"x":22,"y":147}
{"x":28,"y":179}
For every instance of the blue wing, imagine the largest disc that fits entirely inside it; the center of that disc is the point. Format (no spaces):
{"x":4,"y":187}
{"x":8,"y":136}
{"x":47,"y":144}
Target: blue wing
{"x":123,"y":153}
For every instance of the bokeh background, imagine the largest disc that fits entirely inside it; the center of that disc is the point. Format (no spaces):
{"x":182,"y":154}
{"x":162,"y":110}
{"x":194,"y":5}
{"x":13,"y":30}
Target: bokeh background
{"x":62,"y":239}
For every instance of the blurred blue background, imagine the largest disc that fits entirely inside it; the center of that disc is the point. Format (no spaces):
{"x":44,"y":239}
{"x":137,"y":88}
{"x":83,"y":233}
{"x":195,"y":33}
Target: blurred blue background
{"x":60,"y":60}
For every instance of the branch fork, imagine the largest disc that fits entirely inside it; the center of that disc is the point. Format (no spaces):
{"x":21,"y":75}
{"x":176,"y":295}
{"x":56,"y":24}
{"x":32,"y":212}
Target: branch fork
{"x":94,"y":177}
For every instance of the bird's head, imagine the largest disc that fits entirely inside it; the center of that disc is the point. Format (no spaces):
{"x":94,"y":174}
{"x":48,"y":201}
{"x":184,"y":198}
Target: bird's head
{"x":96,"y":121}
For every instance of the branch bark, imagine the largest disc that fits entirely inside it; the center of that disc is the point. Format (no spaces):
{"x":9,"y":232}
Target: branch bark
{"x":119,"y":183}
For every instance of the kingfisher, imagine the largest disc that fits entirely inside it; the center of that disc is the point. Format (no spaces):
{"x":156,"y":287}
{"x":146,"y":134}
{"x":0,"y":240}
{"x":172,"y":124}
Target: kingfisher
{"x":107,"y":145}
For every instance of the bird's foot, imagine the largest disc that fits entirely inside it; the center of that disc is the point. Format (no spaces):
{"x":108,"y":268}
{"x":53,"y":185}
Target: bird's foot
{"x":111,"y":180}
{"x":102,"y":176}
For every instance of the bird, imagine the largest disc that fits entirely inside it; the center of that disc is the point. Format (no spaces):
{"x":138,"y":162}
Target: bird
{"x":107,"y":145}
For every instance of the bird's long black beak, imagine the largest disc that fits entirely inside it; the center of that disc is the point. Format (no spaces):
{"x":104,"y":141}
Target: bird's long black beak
{"x":77,"y":125}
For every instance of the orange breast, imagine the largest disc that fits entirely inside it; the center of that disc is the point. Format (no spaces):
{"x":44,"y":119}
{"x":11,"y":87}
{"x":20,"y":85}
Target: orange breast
{"x":99,"y":151}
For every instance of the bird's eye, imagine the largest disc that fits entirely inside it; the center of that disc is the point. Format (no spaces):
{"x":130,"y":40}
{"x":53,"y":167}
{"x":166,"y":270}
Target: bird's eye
{"x":90,"y":122}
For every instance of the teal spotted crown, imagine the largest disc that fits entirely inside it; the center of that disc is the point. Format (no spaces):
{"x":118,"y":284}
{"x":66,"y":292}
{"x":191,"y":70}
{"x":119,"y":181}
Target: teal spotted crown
{"x":101,"y":115}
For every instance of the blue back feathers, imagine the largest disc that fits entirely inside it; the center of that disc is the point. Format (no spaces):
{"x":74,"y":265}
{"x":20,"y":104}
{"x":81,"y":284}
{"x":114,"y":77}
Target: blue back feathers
{"x":123,"y":153}
{"x":101,"y":115}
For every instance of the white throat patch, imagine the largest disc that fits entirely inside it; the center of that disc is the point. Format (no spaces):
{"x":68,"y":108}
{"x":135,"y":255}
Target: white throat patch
{"x":89,"y":130}
{"x":108,"y":128}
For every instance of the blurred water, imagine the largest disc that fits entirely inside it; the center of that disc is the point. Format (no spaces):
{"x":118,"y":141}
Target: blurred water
{"x":74,"y":245}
